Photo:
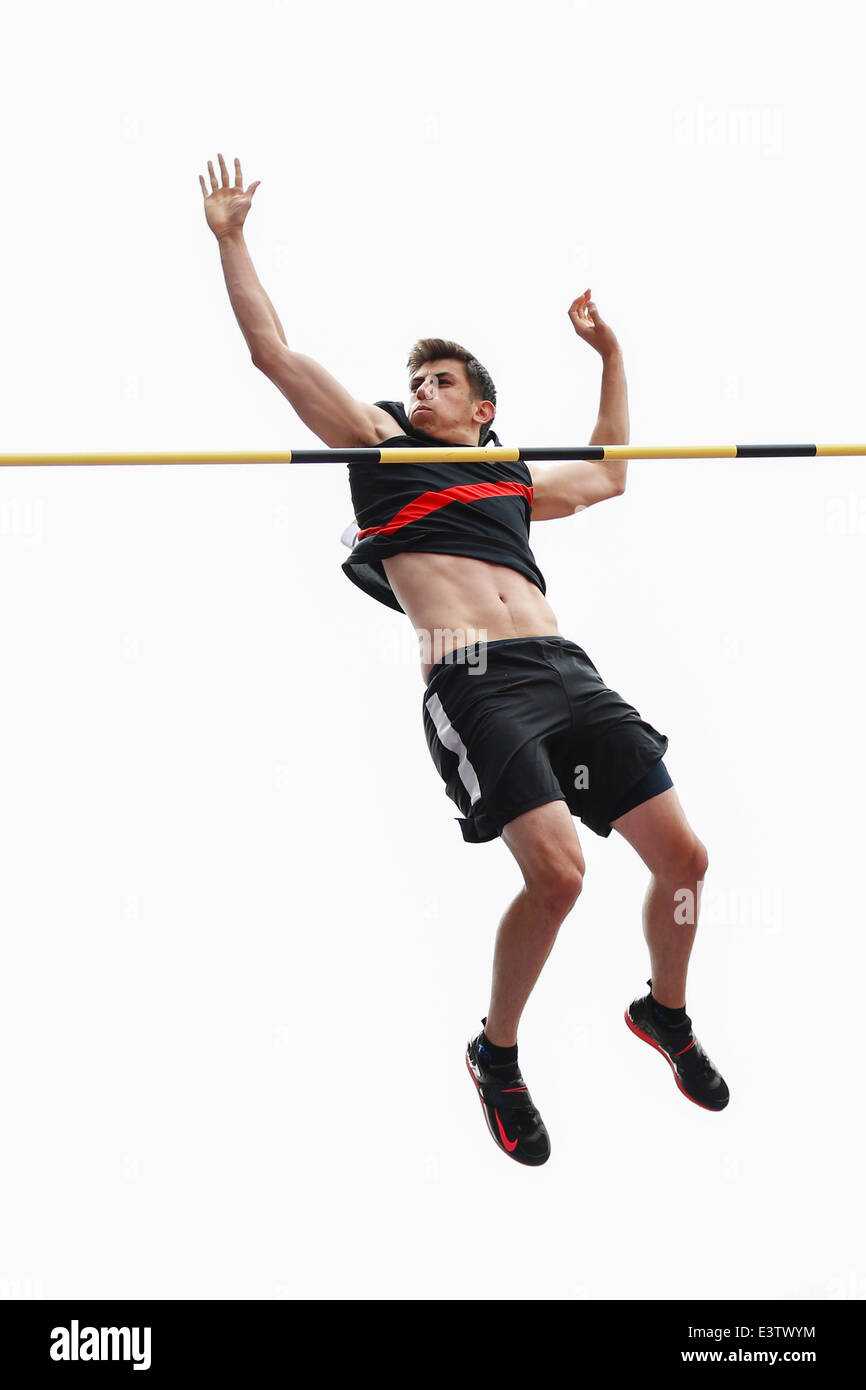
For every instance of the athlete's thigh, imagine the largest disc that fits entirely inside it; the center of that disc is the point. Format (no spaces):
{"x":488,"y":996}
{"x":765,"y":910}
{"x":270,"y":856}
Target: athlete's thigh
{"x":662,"y":836}
{"x":545,"y":844}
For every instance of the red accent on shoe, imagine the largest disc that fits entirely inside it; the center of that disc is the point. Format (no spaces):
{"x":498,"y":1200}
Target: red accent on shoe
{"x":685,"y":1049}
{"x":510,"y":1144}
{"x":641,"y":1034}
{"x":512,"y":1090}
{"x":517,"y":1159}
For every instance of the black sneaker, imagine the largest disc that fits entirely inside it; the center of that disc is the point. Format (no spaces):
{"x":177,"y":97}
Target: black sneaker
{"x":517,"y":1128}
{"x":693,"y":1071}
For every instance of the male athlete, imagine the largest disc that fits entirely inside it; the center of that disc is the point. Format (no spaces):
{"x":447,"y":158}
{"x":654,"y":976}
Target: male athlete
{"x":521,"y":726}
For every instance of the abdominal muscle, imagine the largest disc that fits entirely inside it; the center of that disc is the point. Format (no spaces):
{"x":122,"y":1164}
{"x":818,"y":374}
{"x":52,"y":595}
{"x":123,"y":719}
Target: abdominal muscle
{"x":453,"y":601}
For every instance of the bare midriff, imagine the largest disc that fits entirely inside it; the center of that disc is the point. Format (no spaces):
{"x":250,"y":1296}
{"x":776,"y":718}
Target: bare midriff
{"x":453,"y":601}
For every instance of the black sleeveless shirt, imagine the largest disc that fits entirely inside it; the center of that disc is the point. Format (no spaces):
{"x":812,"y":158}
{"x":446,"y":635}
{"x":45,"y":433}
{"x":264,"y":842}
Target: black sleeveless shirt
{"x":481,"y":510}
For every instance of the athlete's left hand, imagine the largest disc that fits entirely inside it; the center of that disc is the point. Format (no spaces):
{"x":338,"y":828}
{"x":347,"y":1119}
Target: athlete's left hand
{"x":591,"y":327}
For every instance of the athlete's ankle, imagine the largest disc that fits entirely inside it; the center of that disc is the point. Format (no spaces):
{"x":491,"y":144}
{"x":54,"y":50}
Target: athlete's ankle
{"x":670,"y":999}
{"x":497,"y":1053}
{"x":669,"y":1017}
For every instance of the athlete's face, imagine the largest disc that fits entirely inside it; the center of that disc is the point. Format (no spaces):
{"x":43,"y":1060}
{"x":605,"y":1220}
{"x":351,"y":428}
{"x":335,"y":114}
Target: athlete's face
{"x":441,"y":403}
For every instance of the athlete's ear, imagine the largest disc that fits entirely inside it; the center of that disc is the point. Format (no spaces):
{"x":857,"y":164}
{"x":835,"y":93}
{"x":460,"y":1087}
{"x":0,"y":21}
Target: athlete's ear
{"x":485,"y":412}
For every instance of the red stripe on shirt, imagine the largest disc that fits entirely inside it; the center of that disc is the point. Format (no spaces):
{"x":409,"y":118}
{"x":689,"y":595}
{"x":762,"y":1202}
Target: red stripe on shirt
{"x":432,"y":501}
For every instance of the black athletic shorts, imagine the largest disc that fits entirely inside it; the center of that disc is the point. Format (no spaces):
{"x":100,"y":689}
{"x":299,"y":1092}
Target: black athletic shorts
{"x":515,"y":723}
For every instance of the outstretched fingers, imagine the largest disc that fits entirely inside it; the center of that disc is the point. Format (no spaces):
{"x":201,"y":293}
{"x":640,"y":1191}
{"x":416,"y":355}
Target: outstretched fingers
{"x":238,"y":183}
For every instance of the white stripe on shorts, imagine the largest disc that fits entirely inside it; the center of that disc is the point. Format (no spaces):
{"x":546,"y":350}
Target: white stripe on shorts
{"x":449,"y":736}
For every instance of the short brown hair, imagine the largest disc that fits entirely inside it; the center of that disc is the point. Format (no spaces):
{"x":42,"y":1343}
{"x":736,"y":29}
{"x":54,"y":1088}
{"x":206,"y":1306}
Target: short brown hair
{"x":480,"y":380}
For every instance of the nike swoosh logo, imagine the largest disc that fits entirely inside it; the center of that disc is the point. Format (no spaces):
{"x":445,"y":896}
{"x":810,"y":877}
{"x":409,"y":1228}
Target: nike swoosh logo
{"x":510,"y":1144}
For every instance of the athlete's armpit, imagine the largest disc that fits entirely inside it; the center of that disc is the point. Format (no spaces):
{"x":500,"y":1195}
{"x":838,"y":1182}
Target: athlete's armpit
{"x":561,"y":489}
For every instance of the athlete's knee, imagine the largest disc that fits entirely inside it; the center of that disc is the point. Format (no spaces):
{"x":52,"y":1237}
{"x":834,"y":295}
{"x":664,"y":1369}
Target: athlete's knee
{"x":686,"y":860}
{"x":545,"y":845}
{"x":700,"y":859}
{"x":558,"y":882}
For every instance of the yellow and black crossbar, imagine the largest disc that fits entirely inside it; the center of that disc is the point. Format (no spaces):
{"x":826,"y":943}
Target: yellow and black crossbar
{"x":448,"y":454}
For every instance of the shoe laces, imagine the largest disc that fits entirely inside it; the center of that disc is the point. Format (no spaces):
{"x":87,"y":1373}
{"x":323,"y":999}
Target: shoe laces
{"x":523,"y":1118}
{"x":697,"y":1059}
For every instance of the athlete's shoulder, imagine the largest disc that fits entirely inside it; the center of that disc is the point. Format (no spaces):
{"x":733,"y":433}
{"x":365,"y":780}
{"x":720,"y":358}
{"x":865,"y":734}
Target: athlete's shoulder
{"x":395,"y":411}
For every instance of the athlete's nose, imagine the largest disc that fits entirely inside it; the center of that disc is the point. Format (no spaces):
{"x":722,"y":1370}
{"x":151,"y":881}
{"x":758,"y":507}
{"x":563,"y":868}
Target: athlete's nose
{"x":426,"y":389}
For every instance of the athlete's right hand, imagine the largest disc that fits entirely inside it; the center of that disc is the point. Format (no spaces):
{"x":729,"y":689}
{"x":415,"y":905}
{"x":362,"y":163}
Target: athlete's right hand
{"x":227,"y":206}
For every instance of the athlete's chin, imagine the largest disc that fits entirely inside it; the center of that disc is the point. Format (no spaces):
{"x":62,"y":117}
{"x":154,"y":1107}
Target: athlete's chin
{"x":427,"y":422}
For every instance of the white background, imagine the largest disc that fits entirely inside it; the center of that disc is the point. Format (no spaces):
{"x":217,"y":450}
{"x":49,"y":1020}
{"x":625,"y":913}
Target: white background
{"x":243,"y":942}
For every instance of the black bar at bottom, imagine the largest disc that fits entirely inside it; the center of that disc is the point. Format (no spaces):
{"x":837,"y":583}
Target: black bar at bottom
{"x":199,"y":1342}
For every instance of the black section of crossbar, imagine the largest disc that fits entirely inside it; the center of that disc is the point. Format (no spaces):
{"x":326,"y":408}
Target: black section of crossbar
{"x":776,"y":451}
{"x":590,"y":451}
{"x":337,"y":455}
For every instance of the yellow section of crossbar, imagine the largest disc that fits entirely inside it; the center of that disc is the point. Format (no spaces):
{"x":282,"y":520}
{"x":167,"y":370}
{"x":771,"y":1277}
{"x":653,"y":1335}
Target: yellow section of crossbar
{"x":213,"y":456}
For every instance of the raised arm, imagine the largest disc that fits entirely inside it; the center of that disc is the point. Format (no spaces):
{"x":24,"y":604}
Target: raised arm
{"x":326,"y":407}
{"x":561,"y":489}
